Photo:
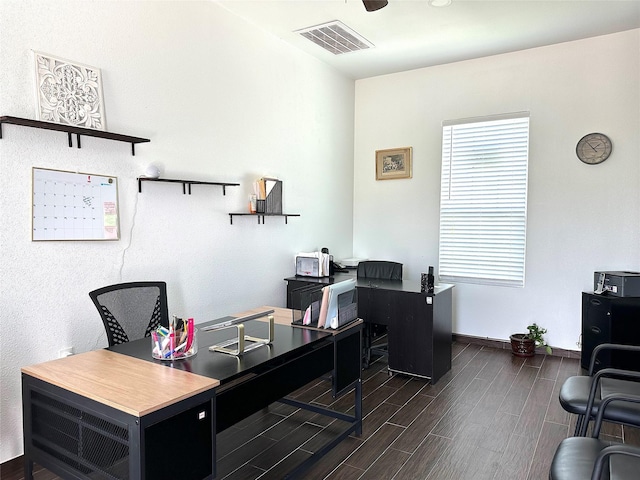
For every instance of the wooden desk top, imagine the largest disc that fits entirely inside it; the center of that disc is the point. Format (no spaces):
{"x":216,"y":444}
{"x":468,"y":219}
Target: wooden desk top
{"x":131,"y":385}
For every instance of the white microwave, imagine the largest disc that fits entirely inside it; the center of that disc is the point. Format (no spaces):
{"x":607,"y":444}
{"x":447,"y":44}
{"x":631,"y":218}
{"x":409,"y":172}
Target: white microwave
{"x":308,"y":267}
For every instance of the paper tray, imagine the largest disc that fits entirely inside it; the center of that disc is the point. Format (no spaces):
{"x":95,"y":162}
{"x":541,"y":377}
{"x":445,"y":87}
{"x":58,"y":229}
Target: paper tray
{"x":310,"y":297}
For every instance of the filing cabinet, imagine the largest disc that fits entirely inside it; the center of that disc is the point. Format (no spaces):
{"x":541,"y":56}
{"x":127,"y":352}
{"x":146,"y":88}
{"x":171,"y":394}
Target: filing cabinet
{"x":608,"y":319}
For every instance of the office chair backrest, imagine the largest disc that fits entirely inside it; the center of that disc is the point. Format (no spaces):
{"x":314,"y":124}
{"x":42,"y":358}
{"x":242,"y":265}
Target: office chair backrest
{"x":131,"y":310}
{"x":380,"y":269}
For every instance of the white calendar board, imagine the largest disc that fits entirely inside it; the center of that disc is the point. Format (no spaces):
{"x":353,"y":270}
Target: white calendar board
{"x":74,"y":206}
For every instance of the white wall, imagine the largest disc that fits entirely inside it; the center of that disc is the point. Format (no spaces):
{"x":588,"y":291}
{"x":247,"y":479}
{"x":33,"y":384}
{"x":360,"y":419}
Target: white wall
{"x":220,"y":101}
{"x":580,"y":218}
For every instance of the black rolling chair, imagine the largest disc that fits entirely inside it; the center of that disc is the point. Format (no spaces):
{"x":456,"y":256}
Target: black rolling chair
{"x":131,"y":310}
{"x":581,"y":394}
{"x":376,"y":270}
{"x":590,"y":458}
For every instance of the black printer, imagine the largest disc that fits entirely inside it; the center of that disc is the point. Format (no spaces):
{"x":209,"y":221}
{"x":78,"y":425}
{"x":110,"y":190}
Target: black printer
{"x":619,"y":284}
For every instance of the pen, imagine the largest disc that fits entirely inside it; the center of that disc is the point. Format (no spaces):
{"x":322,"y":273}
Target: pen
{"x":183,"y":335}
{"x":172,"y":340}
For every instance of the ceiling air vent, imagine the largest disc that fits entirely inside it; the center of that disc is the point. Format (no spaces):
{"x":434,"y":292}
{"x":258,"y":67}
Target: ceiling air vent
{"x":335,"y":37}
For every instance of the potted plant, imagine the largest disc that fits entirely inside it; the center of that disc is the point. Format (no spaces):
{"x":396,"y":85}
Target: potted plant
{"x":524,"y":344}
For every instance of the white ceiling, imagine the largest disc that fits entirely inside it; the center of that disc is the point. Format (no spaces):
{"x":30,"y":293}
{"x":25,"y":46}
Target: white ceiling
{"x":410,"y":34}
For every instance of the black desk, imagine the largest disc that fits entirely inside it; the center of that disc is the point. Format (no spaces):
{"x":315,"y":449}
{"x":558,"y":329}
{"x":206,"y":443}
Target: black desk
{"x":68,"y":424}
{"x":419,"y":333}
{"x":251,"y":382}
{"x":418,"y":326}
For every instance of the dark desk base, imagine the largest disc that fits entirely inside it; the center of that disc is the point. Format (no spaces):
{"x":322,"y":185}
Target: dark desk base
{"x":419,"y":333}
{"x":79,"y":438}
{"x":339,"y":355}
{"x":355,"y":426}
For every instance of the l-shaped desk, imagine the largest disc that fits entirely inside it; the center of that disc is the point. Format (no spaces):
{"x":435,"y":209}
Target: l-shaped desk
{"x":117,"y":413}
{"x":419,"y":330}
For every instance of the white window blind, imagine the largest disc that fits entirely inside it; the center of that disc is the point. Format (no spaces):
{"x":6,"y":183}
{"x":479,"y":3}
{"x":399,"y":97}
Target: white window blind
{"x":483,"y":202}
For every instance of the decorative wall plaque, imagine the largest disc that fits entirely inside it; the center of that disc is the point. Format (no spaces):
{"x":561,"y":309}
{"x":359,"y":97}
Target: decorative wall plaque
{"x":68,"y":92}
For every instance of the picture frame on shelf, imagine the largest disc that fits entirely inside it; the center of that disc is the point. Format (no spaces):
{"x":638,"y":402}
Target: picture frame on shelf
{"x":68,"y":92}
{"x":394,"y":163}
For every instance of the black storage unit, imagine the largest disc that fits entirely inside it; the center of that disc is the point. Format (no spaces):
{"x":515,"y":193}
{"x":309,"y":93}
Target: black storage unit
{"x":418,"y":326}
{"x":608,"y":319}
{"x":80,"y":438}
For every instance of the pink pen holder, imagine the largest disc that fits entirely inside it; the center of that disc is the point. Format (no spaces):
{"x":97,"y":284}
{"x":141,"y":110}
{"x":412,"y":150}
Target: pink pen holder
{"x":181,"y":347}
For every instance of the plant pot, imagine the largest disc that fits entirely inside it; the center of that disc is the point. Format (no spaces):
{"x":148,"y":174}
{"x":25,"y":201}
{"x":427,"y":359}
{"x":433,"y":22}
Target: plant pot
{"x":522,"y":346}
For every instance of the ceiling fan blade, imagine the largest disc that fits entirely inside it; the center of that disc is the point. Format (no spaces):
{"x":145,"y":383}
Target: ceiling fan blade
{"x":373,"y":5}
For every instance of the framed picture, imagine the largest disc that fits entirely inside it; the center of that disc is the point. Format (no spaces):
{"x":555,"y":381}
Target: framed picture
{"x":393,"y":163}
{"x":68,"y":92}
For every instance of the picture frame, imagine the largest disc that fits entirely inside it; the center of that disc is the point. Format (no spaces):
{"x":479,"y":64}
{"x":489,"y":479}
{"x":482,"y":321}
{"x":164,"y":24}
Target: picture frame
{"x":394,"y":163}
{"x":68,"y":92}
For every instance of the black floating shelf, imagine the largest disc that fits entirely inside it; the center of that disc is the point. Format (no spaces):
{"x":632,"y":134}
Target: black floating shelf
{"x":71,"y":130}
{"x":186,"y":184}
{"x":262,"y":215}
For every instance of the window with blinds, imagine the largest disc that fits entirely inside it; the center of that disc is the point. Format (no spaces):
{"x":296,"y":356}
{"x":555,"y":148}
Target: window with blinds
{"x":483,"y":201}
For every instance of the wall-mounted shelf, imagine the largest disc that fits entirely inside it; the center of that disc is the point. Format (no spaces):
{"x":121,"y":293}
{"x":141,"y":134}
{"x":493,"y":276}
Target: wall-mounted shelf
{"x":262,"y":215}
{"x":71,"y":130}
{"x":186,"y":184}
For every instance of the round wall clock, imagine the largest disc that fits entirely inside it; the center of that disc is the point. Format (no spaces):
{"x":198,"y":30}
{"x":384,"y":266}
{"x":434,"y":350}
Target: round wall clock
{"x":594,"y":148}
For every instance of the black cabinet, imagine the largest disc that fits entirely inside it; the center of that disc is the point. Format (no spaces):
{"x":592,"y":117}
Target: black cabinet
{"x":79,"y":437}
{"x":608,"y":319}
{"x":418,"y":326}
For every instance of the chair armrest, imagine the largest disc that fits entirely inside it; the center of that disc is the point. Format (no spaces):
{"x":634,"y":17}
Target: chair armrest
{"x":610,"y":346}
{"x":614,"y":397}
{"x":595,"y":381}
{"x":612,"y":450}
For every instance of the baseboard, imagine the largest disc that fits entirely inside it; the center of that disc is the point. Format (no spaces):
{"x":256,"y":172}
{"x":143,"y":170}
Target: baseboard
{"x":506,"y":345}
{"x":13,"y":468}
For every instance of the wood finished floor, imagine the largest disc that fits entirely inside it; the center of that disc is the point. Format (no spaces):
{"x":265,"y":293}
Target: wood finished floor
{"x":493,"y":416}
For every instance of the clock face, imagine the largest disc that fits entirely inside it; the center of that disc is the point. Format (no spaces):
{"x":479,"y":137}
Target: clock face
{"x":594,"y":148}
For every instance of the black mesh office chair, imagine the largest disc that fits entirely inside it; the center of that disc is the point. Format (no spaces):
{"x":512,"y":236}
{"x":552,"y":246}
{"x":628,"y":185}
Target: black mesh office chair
{"x":376,"y":270}
{"x":583,"y":393}
{"x":131,"y":310}
{"x":380,"y":269}
{"x":590,"y":458}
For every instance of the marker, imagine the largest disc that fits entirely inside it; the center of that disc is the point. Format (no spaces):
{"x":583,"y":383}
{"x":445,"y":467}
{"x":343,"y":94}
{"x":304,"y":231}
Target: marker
{"x":190,"y":332}
{"x":172,"y":340}
{"x":154,"y":335}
